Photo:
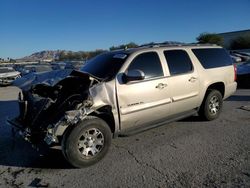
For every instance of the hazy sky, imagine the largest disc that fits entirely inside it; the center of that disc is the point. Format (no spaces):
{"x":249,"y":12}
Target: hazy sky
{"x":28,"y":26}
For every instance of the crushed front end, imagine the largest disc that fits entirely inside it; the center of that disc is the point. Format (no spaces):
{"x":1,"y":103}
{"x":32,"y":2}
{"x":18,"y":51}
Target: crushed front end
{"x":46,"y":111}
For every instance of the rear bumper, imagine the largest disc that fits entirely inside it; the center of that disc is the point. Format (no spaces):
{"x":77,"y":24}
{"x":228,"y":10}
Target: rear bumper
{"x":230,"y":89}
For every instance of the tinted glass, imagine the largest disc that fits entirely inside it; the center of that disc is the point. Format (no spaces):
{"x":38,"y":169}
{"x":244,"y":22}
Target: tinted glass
{"x":178,"y":62}
{"x":213,"y":57}
{"x":149,"y":63}
{"x":105,"y":66}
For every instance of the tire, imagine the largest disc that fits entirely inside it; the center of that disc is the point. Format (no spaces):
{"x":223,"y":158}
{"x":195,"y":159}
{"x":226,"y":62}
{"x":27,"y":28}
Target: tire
{"x":87,"y":143}
{"x":211,"y":106}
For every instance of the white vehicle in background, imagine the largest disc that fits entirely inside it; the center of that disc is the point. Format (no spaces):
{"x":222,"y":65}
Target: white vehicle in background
{"x":236,"y":59}
{"x":8,"y":75}
{"x":242,"y":55}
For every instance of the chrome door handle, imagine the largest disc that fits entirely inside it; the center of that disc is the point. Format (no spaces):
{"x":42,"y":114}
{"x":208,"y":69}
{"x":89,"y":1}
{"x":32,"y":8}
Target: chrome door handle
{"x":192,"y":79}
{"x":161,"y":86}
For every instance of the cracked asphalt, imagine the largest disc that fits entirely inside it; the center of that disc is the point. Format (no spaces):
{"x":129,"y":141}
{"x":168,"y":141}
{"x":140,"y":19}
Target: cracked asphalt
{"x":187,"y":153}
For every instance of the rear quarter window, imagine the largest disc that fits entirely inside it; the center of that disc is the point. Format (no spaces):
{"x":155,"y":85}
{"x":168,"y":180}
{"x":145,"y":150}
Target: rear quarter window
{"x":213,"y":57}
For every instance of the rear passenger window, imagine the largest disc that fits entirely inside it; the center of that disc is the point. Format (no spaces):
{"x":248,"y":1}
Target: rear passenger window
{"x":213,"y":57}
{"x":149,"y":63}
{"x":178,"y":62}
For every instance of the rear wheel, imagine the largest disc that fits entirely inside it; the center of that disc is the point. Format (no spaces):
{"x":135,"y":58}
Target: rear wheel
{"x":211,"y":106}
{"x":87,"y":143}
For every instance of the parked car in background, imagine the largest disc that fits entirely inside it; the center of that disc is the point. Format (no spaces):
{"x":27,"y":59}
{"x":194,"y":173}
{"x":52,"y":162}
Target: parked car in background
{"x":247,"y":54}
{"x":58,"y":65}
{"x":236,"y":59}
{"x":68,"y":65}
{"x":8,"y":75}
{"x":243,"y":55}
{"x":35,"y":68}
{"x":243,"y":74}
{"x":75,"y":65}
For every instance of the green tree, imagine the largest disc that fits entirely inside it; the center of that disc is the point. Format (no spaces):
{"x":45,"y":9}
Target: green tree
{"x":242,"y":42}
{"x":210,"y":38}
{"x":95,"y":53}
{"x":12,"y":60}
{"x":70,"y":55}
{"x":62,"y":56}
{"x":77,"y":56}
{"x":124,"y":46}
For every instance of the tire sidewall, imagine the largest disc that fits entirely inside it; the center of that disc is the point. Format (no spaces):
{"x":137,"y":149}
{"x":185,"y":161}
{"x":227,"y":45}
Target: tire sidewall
{"x":70,"y":143}
{"x":207,"y":113}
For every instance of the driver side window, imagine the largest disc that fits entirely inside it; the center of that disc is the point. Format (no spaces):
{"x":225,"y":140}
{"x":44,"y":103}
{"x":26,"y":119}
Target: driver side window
{"x":149,"y":63}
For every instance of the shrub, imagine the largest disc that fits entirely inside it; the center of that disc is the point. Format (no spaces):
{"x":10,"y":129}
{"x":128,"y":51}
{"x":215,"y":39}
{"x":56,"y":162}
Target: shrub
{"x":210,"y":38}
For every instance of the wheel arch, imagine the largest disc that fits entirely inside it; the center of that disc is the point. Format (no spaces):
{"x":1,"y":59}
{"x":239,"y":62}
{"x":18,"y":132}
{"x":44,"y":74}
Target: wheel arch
{"x":105,"y":113}
{"x":219,"y":86}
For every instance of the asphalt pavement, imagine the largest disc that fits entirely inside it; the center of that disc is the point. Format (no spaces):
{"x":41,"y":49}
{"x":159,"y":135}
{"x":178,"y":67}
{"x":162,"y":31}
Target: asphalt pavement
{"x":187,"y":153}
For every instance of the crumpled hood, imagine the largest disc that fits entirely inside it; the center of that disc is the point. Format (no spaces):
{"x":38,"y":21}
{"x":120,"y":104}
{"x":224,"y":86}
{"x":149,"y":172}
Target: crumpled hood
{"x":50,"y":78}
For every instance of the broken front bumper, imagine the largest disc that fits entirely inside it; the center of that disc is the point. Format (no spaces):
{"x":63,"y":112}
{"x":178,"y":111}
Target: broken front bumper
{"x":46,"y":111}
{"x":18,"y":127}
{"x":28,"y":112}
{"x":16,"y":122}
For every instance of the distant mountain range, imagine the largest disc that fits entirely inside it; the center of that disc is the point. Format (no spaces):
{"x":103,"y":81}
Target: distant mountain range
{"x":45,"y":55}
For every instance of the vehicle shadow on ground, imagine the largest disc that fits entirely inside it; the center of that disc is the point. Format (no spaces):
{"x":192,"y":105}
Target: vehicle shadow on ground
{"x":15,"y":152}
{"x":194,"y":118}
{"x":243,"y":86}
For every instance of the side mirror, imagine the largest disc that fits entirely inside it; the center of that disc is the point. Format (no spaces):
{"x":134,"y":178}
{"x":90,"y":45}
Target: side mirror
{"x":133,"y":75}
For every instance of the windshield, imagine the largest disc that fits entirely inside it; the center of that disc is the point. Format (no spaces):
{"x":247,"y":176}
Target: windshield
{"x":105,"y":66}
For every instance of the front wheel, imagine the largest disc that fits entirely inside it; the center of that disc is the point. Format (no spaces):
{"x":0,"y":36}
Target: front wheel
{"x":211,"y":106}
{"x":87,"y":143}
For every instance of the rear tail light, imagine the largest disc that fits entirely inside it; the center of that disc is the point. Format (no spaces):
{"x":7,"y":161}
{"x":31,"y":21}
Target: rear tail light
{"x":235,"y":72}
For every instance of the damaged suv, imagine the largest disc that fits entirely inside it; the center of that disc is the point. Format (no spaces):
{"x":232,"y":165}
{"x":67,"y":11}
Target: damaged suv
{"x":123,"y":92}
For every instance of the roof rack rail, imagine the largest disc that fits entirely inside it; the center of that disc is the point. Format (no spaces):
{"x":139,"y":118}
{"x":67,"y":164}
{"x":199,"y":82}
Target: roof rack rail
{"x":200,"y":44}
{"x":169,"y":44}
{"x":165,"y":44}
{"x":153,"y":44}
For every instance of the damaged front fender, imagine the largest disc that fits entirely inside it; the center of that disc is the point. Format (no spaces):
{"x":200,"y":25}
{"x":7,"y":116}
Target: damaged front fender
{"x":101,"y":96}
{"x":50,"y":110}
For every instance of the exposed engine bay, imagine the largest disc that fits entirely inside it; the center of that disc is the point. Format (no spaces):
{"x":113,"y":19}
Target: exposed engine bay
{"x":46,"y":111}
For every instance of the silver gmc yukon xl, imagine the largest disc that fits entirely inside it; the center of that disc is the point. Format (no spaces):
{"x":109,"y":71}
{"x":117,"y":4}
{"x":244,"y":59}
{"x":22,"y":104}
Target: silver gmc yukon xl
{"x":123,"y":92}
